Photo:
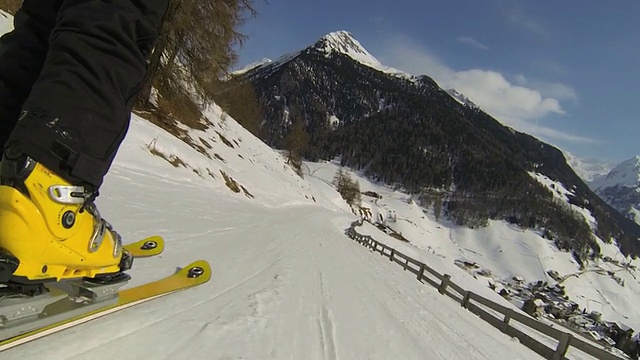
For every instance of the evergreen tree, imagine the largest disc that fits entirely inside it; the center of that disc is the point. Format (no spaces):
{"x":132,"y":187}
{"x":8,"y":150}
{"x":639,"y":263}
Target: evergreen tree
{"x":348,"y":188}
{"x":239,"y":100}
{"x":196,"y":47}
{"x":296,"y":142}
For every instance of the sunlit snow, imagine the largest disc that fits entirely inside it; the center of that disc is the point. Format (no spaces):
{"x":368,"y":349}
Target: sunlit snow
{"x":287,"y":283}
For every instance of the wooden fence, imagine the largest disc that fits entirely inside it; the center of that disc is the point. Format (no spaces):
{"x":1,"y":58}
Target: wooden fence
{"x":495,"y":314}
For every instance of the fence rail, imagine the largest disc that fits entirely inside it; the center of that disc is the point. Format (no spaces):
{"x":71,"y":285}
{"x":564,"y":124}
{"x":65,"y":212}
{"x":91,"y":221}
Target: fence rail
{"x":478,"y":305}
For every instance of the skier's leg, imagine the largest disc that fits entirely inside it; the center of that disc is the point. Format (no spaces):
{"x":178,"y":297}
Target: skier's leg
{"x":78,"y":110}
{"x":70,"y":127}
{"x":22,"y":53}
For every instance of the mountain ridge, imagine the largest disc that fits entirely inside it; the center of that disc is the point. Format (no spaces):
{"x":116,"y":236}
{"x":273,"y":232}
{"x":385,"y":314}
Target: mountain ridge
{"x":620,"y":188}
{"x":408,"y":131}
{"x":627,"y":173}
{"x":342,"y":41}
{"x":464,"y":100}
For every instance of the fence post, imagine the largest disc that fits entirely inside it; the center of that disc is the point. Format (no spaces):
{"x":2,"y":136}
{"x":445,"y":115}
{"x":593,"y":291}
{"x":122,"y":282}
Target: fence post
{"x":445,"y":283}
{"x":505,"y":322}
{"x":563,"y":346}
{"x":393,"y":251}
{"x":466,"y":298}
{"x":507,"y":317}
{"x":421,"y":273}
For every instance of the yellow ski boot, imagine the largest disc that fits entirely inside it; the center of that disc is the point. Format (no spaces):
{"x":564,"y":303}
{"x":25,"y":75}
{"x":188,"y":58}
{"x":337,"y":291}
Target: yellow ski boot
{"x":50,"y":230}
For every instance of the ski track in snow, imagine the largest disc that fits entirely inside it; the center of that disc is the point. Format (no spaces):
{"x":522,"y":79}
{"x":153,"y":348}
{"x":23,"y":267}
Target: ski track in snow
{"x":289,"y":287}
{"x":287,"y":283}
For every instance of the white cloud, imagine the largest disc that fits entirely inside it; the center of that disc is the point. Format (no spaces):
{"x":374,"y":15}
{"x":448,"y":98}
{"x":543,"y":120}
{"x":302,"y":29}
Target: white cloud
{"x":555,"y":90}
{"x":519,"y":104}
{"x":492,"y":91}
{"x":549,"y":133}
{"x":473,"y":42}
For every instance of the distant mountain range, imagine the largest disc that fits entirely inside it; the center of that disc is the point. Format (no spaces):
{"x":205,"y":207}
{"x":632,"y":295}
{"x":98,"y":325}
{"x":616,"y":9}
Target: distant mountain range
{"x":406,"y":131}
{"x":588,"y":169}
{"x":620,"y":188}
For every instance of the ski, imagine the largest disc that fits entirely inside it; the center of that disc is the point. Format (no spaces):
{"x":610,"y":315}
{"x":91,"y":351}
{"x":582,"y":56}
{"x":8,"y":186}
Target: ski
{"x":91,"y":301}
{"x":150,"y":246}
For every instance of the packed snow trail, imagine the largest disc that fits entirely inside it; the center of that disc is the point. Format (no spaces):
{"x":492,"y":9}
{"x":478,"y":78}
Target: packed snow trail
{"x":287,"y":285}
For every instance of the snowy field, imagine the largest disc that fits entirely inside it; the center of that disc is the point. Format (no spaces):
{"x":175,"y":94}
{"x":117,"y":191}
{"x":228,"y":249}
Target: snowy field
{"x":288,"y":284}
{"x":503,"y":249}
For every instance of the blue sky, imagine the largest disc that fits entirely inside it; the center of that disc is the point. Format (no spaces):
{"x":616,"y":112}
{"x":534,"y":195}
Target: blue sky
{"x":566,"y":72}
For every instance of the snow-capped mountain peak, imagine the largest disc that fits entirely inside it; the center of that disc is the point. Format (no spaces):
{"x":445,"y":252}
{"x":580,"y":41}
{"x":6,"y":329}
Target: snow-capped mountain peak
{"x":343,"y":42}
{"x":337,"y":42}
{"x":620,"y":188}
{"x":626,"y":174}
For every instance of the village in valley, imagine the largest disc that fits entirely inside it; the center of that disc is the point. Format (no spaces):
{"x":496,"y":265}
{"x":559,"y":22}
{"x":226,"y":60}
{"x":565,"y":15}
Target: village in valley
{"x":545,"y":300}
{"x":548,"y":300}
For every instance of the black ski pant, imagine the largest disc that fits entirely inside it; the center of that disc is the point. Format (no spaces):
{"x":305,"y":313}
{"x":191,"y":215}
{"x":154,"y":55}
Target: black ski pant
{"x":69,"y":74}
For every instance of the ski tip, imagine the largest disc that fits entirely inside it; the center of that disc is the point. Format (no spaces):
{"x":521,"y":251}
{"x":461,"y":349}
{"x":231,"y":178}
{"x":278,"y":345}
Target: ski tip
{"x":153,"y":243}
{"x":149,"y":246}
{"x":199,"y":271}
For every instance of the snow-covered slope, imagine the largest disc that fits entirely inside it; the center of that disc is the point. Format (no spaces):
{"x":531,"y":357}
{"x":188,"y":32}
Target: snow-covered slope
{"x":323,"y":82}
{"x":503,"y":250}
{"x":287,"y":282}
